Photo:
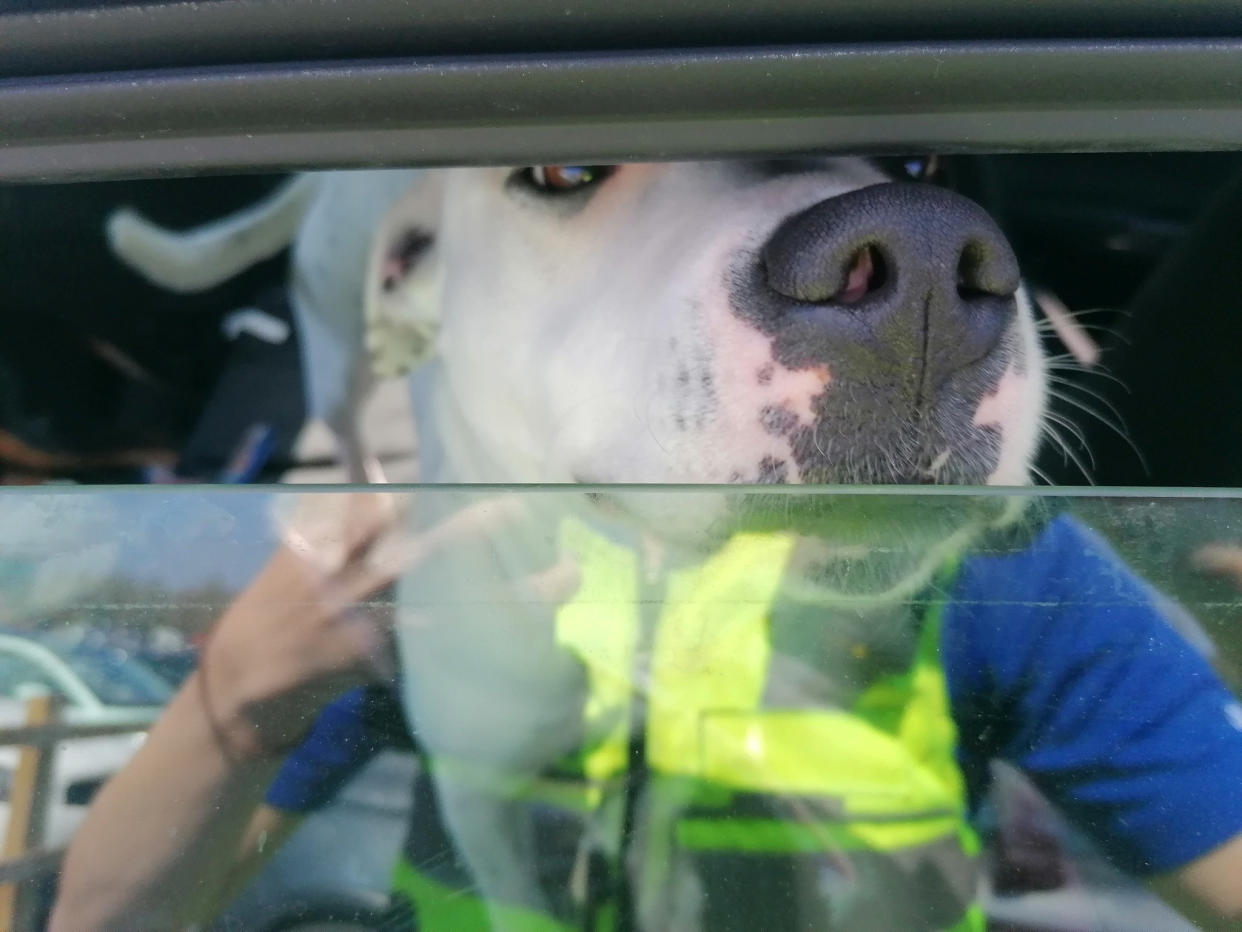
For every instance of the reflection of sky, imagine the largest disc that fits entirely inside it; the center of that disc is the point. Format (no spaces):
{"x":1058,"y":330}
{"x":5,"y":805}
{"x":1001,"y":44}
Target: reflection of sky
{"x":183,"y":538}
{"x":59,"y":540}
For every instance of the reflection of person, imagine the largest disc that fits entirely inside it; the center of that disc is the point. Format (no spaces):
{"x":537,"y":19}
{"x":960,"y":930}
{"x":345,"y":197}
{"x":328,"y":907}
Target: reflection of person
{"x":148,"y":855}
{"x":1054,"y":657}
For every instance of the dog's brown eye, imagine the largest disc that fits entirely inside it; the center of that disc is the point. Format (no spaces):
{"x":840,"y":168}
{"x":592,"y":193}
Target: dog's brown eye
{"x":560,"y":178}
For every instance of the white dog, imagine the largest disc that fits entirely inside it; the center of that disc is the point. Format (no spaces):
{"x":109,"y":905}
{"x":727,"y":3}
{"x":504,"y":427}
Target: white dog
{"x":774,"y":322}
{"x":713,"y":323}
{"x":691,"y":323}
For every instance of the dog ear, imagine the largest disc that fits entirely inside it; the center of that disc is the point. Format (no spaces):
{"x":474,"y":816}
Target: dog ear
{"x":403,"y":281}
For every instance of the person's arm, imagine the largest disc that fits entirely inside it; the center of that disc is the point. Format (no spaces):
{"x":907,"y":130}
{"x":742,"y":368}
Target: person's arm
{"x":1073,"y":674}
{"x":1208,"y":890}
{"x":149,"y":853}
{"x":159,"y":848}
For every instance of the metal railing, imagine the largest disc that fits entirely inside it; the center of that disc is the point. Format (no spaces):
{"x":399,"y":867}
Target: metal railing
{"x":25,"y":858}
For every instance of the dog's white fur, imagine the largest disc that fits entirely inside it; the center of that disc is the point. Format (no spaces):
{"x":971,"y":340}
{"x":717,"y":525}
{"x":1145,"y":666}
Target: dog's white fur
{"x":588,"y":344}
{"x":196,"y":260}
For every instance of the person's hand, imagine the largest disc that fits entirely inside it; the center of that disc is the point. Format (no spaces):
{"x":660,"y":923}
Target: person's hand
{"x":1224,"y":560}
{"x":302,"y":630}
{"x":306,"y":628}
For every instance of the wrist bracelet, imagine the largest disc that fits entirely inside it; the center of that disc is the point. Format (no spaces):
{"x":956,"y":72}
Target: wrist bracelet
{"x":259,"y":749}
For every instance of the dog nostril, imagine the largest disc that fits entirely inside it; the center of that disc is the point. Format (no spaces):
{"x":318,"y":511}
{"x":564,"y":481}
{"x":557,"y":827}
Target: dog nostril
{"x":974,"y":279}
{"x":867,"y":272}
{"x":968,"y":267}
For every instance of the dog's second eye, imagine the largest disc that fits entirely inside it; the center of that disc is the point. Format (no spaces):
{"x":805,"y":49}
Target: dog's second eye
{"x":557,"y":179}
{"x":914,"y":168}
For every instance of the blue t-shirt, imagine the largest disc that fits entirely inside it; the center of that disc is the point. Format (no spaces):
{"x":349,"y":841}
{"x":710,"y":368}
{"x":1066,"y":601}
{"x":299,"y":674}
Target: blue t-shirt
{"x":1058,"y":659}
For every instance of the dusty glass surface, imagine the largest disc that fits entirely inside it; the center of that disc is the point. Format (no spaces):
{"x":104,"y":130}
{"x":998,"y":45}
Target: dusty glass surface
{"x":728,"y":602}
{"x":775,"y":707}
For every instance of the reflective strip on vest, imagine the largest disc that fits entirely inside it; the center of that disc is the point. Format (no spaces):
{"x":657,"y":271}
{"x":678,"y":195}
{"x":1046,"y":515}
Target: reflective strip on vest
{"x":765,"y":836}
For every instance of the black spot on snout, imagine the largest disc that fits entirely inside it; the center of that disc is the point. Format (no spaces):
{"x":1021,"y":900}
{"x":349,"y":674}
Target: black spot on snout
{"x":777,"y":420}
{"x":765,"y":373}
{"x":772,"y":471}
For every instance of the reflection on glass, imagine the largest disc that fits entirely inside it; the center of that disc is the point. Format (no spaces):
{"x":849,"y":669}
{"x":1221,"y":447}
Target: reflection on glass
{"x":114,"y":677}
{"x":671,"y":707}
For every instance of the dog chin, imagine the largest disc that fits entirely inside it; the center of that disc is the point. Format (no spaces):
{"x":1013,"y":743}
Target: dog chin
{"x":857,"y":545}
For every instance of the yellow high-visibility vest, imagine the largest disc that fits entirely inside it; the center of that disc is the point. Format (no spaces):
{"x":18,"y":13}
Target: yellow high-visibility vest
{"x":866,"y":794}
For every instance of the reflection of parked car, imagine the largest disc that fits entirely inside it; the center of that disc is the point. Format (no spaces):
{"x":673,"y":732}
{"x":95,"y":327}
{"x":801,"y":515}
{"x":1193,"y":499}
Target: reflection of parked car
{"x":98,"y":685}
{"x":173,"y":666}
{"x":97,"y":682}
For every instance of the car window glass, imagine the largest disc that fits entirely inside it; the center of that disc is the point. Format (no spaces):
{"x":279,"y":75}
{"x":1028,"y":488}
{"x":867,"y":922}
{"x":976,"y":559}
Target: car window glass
{"x":741,"y":562}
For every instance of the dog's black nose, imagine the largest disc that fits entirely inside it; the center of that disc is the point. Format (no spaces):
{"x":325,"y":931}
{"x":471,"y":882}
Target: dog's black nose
{"x":894,"y":278}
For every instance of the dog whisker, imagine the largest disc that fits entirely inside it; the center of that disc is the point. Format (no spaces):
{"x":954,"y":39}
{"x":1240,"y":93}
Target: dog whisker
{"x":1041,"y":475}
{"x":1097,"y":396}
{"x":1099,"y":370}
{"x":1117,"y":428}
{"x":1067,"y":451}
{"x":1074,"y":429}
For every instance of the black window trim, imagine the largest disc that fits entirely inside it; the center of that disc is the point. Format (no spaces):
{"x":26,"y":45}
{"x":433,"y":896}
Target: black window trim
{"x":261,"y":85}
